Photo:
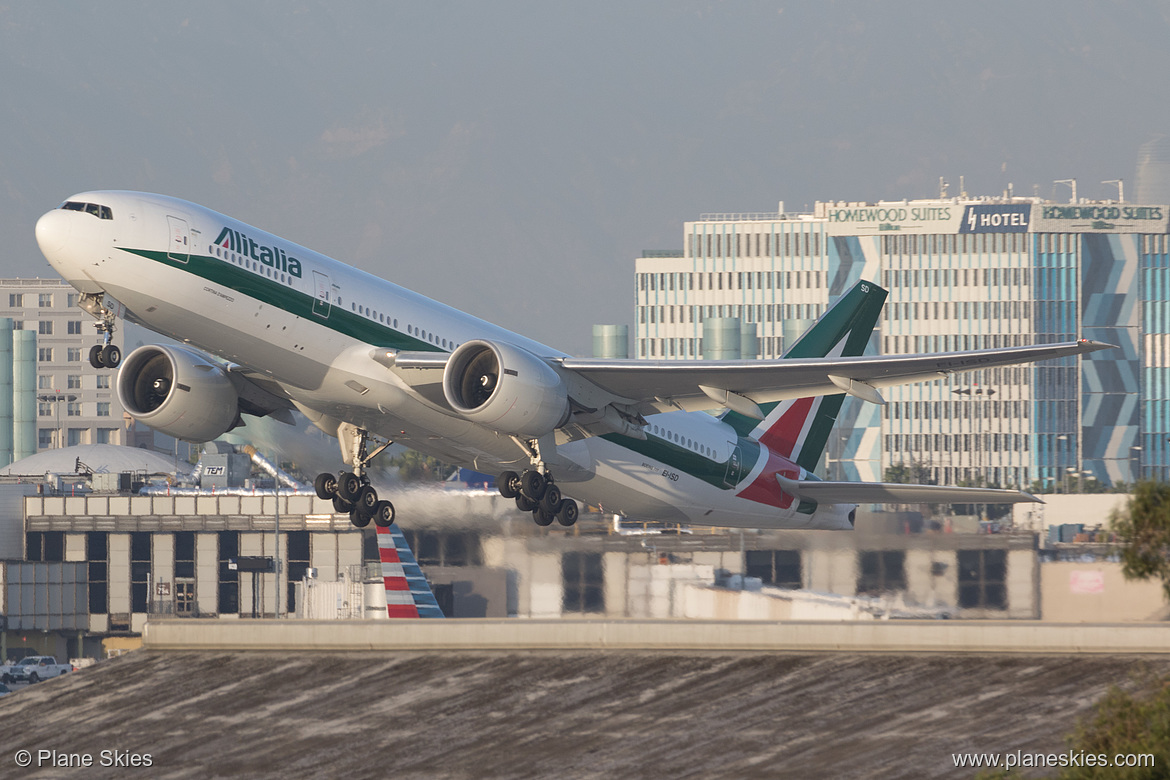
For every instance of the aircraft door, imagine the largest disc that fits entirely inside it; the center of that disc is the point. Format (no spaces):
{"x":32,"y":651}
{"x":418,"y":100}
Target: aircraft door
{"x":179,"y":247}
{"x":734,"y":471}
{"x":321,"y":300}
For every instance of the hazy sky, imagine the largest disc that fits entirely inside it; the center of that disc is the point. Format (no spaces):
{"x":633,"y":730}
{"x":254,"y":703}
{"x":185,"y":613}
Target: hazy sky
{"x":513,"y":158}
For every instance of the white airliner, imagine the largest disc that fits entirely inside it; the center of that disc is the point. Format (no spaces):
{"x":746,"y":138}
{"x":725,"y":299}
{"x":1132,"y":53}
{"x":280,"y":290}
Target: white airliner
{"x":272,"y":326}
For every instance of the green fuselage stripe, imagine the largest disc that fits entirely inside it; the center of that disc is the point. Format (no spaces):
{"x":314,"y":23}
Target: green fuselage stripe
{"x":287,"y":299}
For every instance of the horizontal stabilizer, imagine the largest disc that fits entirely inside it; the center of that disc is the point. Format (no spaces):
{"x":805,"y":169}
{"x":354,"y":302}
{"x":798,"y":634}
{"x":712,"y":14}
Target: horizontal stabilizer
{"x":898,"y":493}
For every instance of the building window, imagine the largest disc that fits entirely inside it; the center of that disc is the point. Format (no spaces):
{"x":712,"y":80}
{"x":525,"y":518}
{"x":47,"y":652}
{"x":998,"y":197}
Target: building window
{"x":140,"y":570}
{"x":881,"y":571}
{"x":74,"y":327}
{"x":584,"y":582}
{"x":74,"y":354}
{"x":107,"y":435}
{"x":73,"y":409}
{"x":45,"y":354}
{"x":45,"y":438}
{"x":73,"y":381}
{"x":78,"y":436}
{"x":71,"y":300}
{"x":45,"y":300}
{"x":45,"y":327}
{"x":44,"y":409}
{"x":298,"y":548}
{"x":983,"y":579}
{"x":775,"y":567}
{"x":103,"y":381}
{"x":15,"y":300}
{"x":228,"y":598}
{"x":45,"y":382}
{"x":441,"y":548}
{"x":185,"y":554}
{"x":103,"y":408}
{"x":96,"y":552}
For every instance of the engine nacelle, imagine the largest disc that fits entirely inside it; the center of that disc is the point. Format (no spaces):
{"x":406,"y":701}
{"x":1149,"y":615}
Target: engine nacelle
{"x":505,"y":388}
{"x":178,"y":391}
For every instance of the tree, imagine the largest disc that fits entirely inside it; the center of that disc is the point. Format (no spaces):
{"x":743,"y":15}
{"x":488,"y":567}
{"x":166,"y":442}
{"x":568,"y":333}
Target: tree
{"x":415,"y":467}
{"x":1144,"y":529}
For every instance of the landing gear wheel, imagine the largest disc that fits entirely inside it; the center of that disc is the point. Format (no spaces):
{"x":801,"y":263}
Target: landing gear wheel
{"x":325,"y":485}
{"x":111,"y":356}
{"x":533,"y":484}
{"x":341,"y":506}
{"x":359,"y":519}
{"x":541,"y":517}
{"x":525,"y":504}
{"x":567,"y":512}
{"x":508,"y":484}
{"x":552,"y":499}
{"x":383,"y":514}
{"x":95,"y":356}
{"x":367,"y":499}
{"x":348,"y":485}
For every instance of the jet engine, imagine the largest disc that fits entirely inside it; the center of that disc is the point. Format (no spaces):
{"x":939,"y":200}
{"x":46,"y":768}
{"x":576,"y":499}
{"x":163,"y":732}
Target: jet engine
{"x":178,"y":391}
{"x":505,"y":388}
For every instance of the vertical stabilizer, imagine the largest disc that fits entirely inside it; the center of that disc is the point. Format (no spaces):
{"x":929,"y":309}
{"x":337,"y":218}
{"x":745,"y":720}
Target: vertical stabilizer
{"x":799,"y":429}
{"x":408,"y":594}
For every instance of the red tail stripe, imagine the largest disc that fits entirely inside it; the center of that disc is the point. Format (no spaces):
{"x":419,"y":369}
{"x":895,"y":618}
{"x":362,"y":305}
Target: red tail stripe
{"x":402,"y":610}
{"x":396,"y":583}
{"x":388,"y":555}
{"x":784,"y":434}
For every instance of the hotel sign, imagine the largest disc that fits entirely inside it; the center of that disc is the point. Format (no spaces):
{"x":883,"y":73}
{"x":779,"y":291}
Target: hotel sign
{"x":1099,"y":218}
{"x":893,"y":218}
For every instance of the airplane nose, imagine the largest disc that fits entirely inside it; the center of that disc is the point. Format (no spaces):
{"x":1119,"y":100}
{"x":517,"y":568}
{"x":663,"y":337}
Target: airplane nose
{"x":52,"y":232}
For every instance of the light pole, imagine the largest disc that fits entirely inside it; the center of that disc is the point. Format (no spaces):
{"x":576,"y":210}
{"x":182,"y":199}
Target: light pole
{"x":1060,"y":459}
{"x":56,"y":398}
{"x":1135,"y":466}
{"x":1068,"y":485}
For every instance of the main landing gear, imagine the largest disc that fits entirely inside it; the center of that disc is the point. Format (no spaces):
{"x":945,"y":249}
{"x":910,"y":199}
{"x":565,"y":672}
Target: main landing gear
{"x":352,"y":492}
{"x":107,"y":354}
{"x":537,"y":493}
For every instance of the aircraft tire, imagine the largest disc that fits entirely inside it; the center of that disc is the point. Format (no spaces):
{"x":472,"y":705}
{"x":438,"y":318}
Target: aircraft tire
{"x":359,"y":519}
{"x":567,"y":512}
{"x":95,"y":356}
{"x":533,"y":484}
{"x":383,"y":514}
{"x":326,"y":485}
{"x":367,"y":499}
{"x":541,"y":517}
{"x":552,"y":499}
{"x":525,"y":504}
{"x":508,"y":484}
{"x":341,"y":506}
{"x":348,"y":485}
{"x":111,"y":356}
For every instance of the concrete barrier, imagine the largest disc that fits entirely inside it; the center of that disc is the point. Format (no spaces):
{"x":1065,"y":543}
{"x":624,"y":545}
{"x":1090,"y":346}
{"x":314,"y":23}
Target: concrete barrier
{"x":902,"y":636}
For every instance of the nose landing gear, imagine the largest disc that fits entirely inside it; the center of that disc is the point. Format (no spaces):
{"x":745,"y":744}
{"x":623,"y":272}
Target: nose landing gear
{"x":537,"y":493}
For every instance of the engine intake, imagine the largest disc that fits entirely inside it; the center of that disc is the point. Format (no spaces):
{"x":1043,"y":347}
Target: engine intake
{"x":505,"y":388}
{"x":178,"y":391}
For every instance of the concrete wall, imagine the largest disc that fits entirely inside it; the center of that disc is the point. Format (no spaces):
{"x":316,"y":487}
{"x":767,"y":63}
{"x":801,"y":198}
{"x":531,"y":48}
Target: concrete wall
{"x":889,"y":636}
{"x":1074,"y":592}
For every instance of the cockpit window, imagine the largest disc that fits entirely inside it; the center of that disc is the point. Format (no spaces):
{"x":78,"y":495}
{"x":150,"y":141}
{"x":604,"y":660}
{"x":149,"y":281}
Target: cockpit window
{"x":98,"y":210}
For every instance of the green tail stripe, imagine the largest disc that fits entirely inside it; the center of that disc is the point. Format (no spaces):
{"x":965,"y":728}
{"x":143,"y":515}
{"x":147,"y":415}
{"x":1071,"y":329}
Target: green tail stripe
{"x":853,"y":318}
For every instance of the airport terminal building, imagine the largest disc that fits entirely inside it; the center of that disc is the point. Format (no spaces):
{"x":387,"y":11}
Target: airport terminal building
{"x":961,"y":274}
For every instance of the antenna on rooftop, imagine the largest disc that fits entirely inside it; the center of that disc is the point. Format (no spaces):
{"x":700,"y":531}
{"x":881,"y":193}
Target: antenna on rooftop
{"x":1072,"y":183}
{"x":1120,"y":189}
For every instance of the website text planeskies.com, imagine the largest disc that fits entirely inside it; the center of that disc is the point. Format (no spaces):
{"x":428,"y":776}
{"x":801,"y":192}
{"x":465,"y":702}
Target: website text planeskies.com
{"x":1070,"y":758}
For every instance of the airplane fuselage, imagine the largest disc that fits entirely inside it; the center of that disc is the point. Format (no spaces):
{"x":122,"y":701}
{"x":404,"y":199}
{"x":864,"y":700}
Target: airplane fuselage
{"x":309,"y":324}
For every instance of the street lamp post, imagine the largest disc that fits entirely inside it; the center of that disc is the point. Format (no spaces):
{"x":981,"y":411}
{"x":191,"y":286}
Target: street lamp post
{"x":1135,"y":465}
{"x":56,"y":397}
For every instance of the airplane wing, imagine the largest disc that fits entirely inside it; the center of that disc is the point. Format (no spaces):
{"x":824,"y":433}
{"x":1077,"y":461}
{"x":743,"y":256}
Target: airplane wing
{"x":660,"y":385}
{"x":898,"y":493}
